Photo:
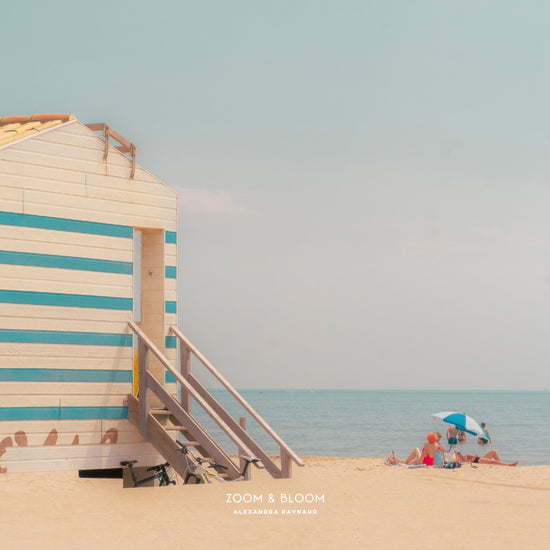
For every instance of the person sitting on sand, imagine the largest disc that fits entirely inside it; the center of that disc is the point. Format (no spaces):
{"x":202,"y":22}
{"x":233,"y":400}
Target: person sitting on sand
{"x":461,"y":436}
{"x":427,"y":455}
{"x":488,"y":458}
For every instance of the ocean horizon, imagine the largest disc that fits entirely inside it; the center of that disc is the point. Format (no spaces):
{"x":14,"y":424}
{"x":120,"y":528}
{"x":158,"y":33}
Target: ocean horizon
{"x":373,"y":423}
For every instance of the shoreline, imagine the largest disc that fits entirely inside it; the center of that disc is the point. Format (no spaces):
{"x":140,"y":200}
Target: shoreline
{"x":358,"y":503}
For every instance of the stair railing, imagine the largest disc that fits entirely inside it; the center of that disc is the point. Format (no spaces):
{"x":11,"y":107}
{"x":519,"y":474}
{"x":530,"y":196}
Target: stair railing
{"x":147,"y":383}
{"x":287,"y":455}
{"x":192,"y":388}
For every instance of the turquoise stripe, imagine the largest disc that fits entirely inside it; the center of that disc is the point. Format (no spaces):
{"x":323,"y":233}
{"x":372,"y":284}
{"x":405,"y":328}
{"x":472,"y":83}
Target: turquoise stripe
{"x":170,"y":272}
{"x":170,"y":307}
{"x":171,"y":237}
{"x":64,"y":300}
{"x":58,"y":337}
{"x":62,"y":413}
{"x":170,"y":342}
{"x":65,"y":375}
{"x":169,"y":377}
{"x":65,"y":262}
{"x":64,"y":224}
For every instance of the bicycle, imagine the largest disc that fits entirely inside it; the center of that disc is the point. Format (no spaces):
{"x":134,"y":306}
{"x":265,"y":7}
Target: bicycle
{"x":199,"y":474}
{"x":160,"y":473}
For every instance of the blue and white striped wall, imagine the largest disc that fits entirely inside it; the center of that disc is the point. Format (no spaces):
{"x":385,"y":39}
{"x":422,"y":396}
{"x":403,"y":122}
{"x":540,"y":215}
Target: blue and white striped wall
{"x":66,"y":297}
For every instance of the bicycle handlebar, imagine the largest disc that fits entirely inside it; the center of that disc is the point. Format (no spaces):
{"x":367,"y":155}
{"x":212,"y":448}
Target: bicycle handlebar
{"x":199,"y":459}
{"x":184,"y":448}
{"x":215,"y":464}
{"x":249,"y":459}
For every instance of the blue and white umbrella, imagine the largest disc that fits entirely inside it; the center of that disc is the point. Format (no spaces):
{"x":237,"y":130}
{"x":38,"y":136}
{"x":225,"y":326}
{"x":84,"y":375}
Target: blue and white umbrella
{"x":462,"y":422}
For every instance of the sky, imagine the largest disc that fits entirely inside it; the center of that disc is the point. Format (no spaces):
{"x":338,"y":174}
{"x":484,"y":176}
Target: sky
{"x":364,"y":186}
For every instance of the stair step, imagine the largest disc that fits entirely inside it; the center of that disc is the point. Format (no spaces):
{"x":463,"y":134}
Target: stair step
{"x":191,"y":443}
{"x":160,"y":411}
{"x":179,"y":428}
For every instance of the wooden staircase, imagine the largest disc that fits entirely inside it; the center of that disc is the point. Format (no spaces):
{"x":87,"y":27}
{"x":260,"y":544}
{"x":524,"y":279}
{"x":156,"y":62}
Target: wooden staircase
{"x":163,"y":427}
{"x":162,"y":424}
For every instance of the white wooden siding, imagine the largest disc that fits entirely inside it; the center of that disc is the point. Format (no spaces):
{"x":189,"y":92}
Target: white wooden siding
{"x":27,"y":360}
{"x":64,"y":243}
{"x":15,"y":349}
{"x":66,"y":281}
{"x":142,"y":202}
{"x":64,"y":325}
{"x":58,"y":312}
{"x":60,"y":173}
{"x":77,"y":457}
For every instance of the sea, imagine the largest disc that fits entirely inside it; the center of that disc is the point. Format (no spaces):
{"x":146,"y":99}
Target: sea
{"x":373,"y":423}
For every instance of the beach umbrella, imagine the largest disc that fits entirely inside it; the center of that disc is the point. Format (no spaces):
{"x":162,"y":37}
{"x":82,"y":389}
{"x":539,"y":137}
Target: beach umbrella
{"x":461,"y":422}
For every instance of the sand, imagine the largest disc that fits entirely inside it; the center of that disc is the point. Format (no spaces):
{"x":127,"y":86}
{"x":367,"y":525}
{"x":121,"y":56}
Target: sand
{"x":346,"y":503}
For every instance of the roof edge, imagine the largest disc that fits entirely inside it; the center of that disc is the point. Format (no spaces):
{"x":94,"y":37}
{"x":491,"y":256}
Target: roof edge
{"x":40,"y":117}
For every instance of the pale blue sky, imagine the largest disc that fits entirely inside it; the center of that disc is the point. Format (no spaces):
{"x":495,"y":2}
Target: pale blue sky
{"x":365,"y":185}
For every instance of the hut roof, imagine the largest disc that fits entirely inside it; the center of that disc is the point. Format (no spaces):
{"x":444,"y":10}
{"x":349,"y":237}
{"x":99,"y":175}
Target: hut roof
{"x":13,"y":128}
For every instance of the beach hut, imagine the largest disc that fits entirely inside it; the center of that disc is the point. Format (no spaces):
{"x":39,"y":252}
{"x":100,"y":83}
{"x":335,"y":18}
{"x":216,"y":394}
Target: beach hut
{"x":88,"y":299}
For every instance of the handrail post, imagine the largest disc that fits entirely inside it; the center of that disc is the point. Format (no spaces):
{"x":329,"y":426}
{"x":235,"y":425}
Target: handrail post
{"x":286,"y":464}
{"x":144,"y":396}
{"x":185,"y":369}
{"x":242,"y":462}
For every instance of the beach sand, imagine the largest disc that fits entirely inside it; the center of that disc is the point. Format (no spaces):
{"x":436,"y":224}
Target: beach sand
{"x":353,"y":503}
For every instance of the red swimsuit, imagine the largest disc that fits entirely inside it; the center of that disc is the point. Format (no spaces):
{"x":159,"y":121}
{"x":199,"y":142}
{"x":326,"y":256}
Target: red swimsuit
{"x":429,"y":460}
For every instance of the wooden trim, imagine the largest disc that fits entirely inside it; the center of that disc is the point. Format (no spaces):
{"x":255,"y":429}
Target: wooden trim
{"x":126,"y":146}
{"x":96,"y":127}
{"x":133,"y":150}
